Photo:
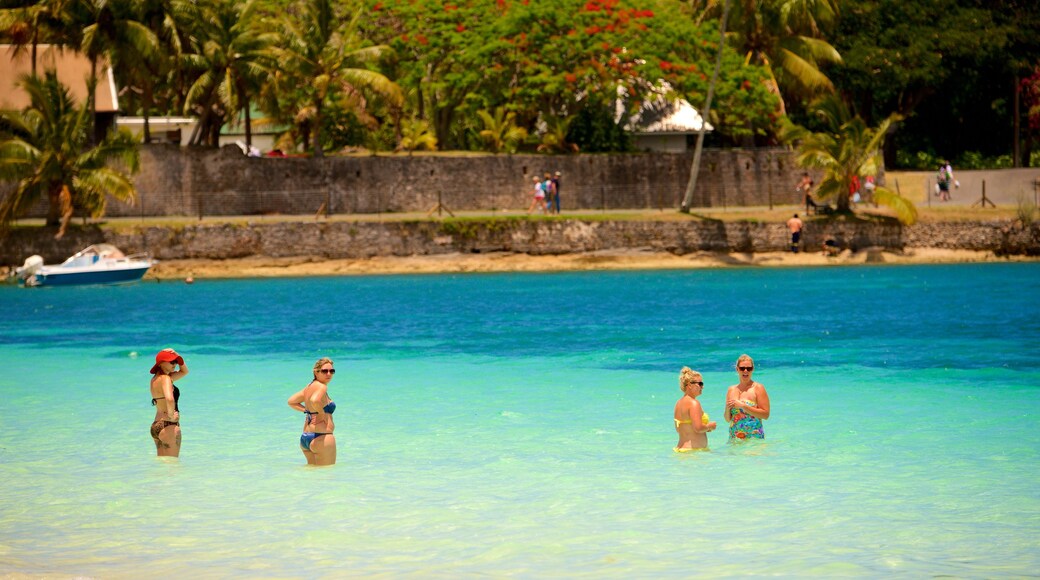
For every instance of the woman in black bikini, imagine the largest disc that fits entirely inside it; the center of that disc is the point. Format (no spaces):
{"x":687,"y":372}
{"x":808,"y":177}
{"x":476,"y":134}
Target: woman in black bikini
{"x":317,"y":442}
{"x":166,"y":428}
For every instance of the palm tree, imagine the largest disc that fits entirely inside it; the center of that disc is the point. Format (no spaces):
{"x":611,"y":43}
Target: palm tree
{"x":232,"y":53}
{"x":416,"y":134}
{"x":500,"y":131}
{"x":847,"y":148}
{"x":38,"y":23}
{"x":109,"y":28}
{"x":45,"y":151}
{"x":327,"y":58}
{"x":783,"y":36}
{"x":554,"y":140}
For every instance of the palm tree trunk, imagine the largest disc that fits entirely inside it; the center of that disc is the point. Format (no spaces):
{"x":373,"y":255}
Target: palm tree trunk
{"x":691,"y":185}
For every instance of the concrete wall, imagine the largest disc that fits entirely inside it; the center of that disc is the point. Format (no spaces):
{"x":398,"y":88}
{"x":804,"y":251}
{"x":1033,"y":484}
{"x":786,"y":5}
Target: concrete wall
{"x":1003,"y":186}
{"x":194,"y":181}
{"x":349,"y":239}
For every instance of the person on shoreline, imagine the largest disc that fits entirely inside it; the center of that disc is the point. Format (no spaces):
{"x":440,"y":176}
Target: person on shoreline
{"x":747,"y":404}
{"x":539,"y":196}
{"x":795,"y":225}
{"x":691,"y":422}
{"x":166,"y":427}
{"x":317,"y":442}
{"x":805,"y":186}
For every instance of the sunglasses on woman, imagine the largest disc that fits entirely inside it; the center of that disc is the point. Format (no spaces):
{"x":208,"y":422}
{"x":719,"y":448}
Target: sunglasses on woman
{"x":327,"y":371}
{"x":749,"y":369}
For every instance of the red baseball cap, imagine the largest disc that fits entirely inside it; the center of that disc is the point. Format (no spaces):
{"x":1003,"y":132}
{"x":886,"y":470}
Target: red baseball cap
{"x":166,"y":356}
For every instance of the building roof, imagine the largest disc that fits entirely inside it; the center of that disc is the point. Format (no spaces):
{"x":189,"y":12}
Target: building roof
{"x":73,"y":70}
{"x":663,"y":113}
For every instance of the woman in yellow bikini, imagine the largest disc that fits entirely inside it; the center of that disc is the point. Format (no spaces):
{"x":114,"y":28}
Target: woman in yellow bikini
{"x":691,"y":422}
{"x":747,"y":404}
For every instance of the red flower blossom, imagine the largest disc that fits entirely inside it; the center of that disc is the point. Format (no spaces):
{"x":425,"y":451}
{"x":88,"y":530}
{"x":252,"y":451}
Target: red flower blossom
{"x":665,"y":65}
{"x":450,"y":7}
{"x":592,"y":30}
{"x":460,"y":28}
{"x":377,"y":7}
{"x":570,"y":77}
{"x":422,"y":39}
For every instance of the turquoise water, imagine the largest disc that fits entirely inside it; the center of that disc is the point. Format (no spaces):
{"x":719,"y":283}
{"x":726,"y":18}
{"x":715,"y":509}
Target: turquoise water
{"x":521,"y":425}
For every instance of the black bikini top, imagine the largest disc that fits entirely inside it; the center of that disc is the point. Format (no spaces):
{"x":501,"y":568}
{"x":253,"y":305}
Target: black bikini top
{"x":176,"y":398}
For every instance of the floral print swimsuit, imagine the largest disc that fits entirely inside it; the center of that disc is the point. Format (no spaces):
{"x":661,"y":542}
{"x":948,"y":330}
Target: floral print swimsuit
{"x":745,"y":426}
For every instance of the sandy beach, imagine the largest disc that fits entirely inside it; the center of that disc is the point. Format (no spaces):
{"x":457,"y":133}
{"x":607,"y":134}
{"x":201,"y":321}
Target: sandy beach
{"x":265,"y":267}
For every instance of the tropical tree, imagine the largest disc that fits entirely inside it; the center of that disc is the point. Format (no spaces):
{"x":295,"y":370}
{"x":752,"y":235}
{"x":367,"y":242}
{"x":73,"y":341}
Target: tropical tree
{"x":554,"y":137}
{"x":37,"y":23}
{"x":415,"y":135}
{"x":785,"y":38}
{"x":232,"y":55}
{"x":328,"y":59}
{"x":500,"y":132}
{"x":844,"y":149}
{"x":46,"y":151}
{"x":108,"y":28}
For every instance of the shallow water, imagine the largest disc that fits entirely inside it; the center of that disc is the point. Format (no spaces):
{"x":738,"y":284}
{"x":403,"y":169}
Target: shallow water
{"x":521,"y":425}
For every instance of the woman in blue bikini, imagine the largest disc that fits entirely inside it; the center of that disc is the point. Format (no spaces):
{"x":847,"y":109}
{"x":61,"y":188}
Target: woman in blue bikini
{"x":317,"y":442}
{"x":747,"y":404}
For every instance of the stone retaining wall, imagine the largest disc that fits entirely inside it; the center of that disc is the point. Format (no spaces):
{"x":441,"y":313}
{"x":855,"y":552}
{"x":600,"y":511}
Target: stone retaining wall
{"x":346,"y":239}
{"x":201,"y":181}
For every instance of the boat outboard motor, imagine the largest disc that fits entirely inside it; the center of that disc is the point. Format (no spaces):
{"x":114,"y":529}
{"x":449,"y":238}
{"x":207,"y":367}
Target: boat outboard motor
{"x":29,"y":269}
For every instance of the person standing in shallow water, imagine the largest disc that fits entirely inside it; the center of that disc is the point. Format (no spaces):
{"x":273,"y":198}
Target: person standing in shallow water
{"x":317,"y":442}
{"x":691,"y":422}
{"x":166,"y":427}
{"x":747,"y":404}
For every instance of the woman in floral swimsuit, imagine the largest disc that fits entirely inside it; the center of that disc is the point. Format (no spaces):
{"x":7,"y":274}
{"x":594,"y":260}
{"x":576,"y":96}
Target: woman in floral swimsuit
{"x":747,"y":404}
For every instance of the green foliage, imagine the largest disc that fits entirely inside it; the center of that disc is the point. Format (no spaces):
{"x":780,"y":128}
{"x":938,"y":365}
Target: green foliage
{"x":46,"y":151}
{"x":554,"y":139}
{"x":845,"y":149}
{"x":1026,"y":210}
{"x":549,"y":59}
{"x":500,"y":132}
{"x":416,"y":135}
{"x":595,"y":131}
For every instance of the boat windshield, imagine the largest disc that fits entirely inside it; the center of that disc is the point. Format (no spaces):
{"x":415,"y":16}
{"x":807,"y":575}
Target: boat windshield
{"x":93,"y":253}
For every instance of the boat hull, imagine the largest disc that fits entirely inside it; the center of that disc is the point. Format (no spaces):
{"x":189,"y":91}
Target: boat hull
{"x":88,"y":277}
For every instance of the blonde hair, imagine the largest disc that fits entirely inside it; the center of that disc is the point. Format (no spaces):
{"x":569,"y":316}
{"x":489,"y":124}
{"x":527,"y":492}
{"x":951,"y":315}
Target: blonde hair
{"x":745,"y":357}
{"x":686,"y":376}
{"x":321,"y":362}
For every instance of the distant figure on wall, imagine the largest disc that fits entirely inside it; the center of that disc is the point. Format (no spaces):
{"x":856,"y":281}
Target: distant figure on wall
{"x":943,"y":180}
{"x":556,"y":193}
{"x":806,"y":186}
{"x":539,"y":195}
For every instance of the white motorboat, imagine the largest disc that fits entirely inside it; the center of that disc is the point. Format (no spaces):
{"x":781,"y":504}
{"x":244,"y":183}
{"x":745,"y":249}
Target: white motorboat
{"x":95,"y":264}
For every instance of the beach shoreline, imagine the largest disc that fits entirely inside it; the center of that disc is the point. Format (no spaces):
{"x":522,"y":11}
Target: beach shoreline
{"x":495,"y":262}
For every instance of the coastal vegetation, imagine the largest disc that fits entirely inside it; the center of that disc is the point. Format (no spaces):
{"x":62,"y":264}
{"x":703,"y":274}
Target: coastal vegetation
{"x":503,"y":76}
{"x":46,"y":151}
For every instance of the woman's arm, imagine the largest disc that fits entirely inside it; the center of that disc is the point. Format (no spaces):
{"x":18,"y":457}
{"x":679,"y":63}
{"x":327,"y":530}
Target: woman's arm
{"x":317,"y":400}
{"x":180,"y":373}
{"x":696,"y":412}
{"x":296,"y":402}
{"x":171,"y":401}
{"x":731,"y":400}
{"x":761,"y":407}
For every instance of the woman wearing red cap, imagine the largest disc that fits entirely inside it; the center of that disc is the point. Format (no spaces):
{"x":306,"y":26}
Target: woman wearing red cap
{"x":166,"y":429}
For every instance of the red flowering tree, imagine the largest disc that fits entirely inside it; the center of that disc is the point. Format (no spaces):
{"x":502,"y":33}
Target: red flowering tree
{"x":554,"y":59}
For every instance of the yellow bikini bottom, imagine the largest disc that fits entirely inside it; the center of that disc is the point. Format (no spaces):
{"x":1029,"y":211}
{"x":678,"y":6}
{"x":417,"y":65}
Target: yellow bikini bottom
{"x":688,"y":450}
